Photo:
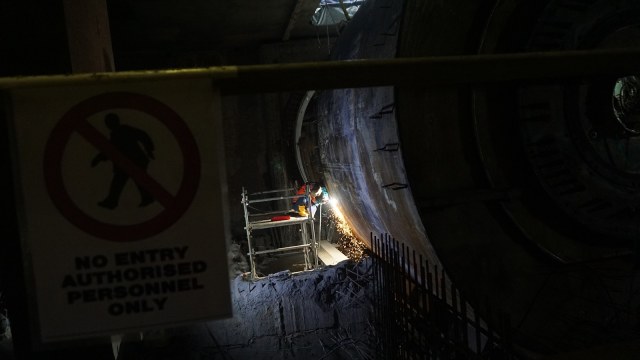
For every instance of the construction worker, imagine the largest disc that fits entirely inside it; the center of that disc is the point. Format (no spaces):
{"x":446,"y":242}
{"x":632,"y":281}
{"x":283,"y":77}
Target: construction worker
{"x":300,"y":202}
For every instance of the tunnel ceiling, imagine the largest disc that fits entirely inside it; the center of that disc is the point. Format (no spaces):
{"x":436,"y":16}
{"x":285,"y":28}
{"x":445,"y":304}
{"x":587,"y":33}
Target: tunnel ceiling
{"x":149,"y":34}
{"x":140,"y":28}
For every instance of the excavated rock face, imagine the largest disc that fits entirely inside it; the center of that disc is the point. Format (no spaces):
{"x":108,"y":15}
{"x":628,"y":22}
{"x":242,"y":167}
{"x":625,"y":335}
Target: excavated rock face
{"x":310,"y":315}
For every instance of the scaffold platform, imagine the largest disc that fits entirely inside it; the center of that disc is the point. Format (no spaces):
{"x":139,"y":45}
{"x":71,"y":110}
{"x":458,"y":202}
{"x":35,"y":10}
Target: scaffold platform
{"x":308,"y":243}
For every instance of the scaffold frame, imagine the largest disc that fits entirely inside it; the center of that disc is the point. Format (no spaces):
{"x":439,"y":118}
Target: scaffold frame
{"x":309,"y":242}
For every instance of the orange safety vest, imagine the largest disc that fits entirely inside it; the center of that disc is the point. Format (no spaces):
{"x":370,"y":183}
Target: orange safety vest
{"x":303,"y":191}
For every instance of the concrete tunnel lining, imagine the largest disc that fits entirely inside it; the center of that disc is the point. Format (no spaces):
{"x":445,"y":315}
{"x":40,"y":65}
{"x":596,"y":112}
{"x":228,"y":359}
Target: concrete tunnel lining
{"x":357,"y":122}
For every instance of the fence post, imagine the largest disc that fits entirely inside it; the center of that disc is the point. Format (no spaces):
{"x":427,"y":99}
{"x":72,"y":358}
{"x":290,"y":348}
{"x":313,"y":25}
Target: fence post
{"x":414,"y":317}
{"x":424,"y":307}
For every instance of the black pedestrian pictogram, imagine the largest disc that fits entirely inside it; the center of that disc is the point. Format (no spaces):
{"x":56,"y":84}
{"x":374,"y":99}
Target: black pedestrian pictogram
{"x":172,"y":205}
{"x":138,"y":147}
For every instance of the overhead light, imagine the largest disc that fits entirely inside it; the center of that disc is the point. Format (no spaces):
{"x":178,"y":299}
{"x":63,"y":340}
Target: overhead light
{"x":334,"y":12}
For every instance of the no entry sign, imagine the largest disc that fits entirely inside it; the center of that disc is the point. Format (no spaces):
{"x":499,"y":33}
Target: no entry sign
{"x":75,"y":121}
{"x":121,"y":189}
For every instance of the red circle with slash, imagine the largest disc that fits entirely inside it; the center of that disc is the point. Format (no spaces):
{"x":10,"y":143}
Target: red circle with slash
{"x":75,"y":121}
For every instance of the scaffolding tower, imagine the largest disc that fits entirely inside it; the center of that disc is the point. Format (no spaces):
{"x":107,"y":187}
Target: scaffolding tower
{"x":267,"y":220}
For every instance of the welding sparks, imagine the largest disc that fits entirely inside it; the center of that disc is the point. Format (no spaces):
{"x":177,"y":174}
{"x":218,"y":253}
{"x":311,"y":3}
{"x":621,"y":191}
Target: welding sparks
{"x":348,"y":243}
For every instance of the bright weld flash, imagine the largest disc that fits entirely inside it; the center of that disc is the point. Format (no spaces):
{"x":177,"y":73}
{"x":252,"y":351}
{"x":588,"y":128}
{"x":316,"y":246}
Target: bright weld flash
{"x":347,"y":242}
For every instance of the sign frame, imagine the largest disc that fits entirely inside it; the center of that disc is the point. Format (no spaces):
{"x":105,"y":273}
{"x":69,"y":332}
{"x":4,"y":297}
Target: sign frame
{"x":176,"y":246}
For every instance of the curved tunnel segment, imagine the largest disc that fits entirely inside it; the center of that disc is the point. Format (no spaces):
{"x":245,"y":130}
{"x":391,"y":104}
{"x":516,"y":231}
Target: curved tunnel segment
{"x":527,"y":192}
{"x":547,"y":227}
{"x":358,"y":138}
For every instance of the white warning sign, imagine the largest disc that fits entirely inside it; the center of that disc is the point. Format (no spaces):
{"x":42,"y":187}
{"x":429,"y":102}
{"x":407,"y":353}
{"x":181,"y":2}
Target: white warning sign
{"x":123,"y":202}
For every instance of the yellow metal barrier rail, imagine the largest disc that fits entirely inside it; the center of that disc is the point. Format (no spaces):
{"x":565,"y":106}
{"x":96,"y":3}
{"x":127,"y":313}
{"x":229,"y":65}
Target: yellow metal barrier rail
{"x":412,"y":72}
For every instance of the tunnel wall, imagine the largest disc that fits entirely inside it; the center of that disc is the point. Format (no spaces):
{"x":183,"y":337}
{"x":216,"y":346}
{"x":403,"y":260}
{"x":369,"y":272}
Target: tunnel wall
{"x":436,"y":129}
{"x":491,"y":226}
{"x":360,"y":150}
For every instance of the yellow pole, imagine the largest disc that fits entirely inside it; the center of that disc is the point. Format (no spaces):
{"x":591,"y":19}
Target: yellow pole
{"x":410,"y":72}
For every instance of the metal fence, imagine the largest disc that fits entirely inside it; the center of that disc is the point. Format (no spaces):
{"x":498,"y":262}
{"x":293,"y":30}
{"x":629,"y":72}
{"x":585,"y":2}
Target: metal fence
{"x":419,"y":314}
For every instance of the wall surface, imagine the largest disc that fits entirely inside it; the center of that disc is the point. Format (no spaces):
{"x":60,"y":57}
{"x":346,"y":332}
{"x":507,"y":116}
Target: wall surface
{"x":358,"y":137}
{"x":500,"y":235}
